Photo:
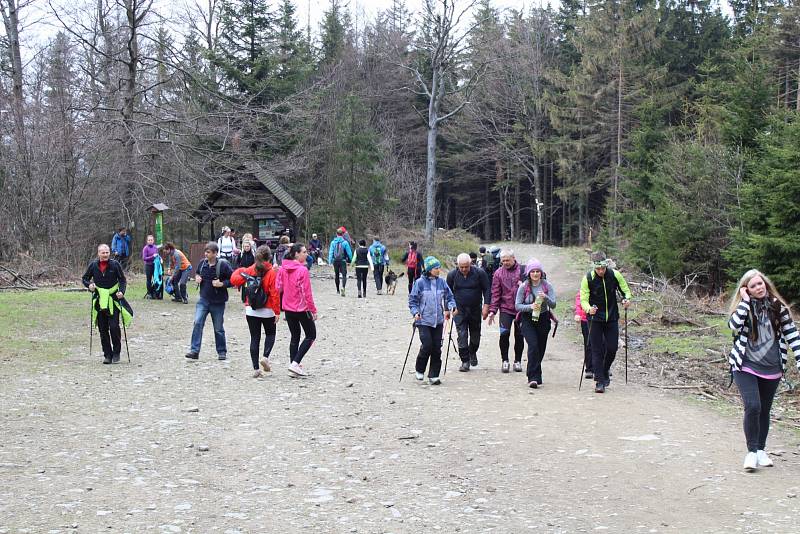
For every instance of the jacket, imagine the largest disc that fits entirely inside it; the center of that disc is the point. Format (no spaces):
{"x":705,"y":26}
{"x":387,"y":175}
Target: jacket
{"x":121,"y":246}
{"x":362,"y":259}
{"x":579,"y":309}
{"x":426,"y":299}
{"x":525,"y":297}
{"x":178,"y":261}
{"x":149,"y":253}
{"x":348,"y":252}
{"x":112,"y":276}
{"x":470,"y":291}
{"x":420,"y":257}
{"x":378,"y":253}
{"x":294,"y":284}
{"x":602,"y":292}
{"x":267,"y":282}
{"x":504,"y":289}
{"x":214,"y":295}
{"x":246,"y":258}
{"x":739,"y":323}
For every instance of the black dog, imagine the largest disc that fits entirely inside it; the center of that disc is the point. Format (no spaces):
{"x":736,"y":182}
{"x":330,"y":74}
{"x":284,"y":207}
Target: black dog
{"x":391,"y":281}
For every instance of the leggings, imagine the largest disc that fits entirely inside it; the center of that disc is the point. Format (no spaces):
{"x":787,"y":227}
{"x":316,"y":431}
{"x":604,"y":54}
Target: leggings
{"x":535,"y":333}
{"x":295,"y":320}
{"x":361,"y":279}
{"x":413,"y":273}
{"x":255,"y":324}
{"x":757,"y":395}
{"x":603,"y":341}
{"x":340,"y":269}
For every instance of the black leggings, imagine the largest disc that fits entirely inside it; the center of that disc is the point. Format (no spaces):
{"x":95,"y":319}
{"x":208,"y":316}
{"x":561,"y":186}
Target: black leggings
{"x":412,"y":273}
{"x":255,"y":324}
{"x":361,"y":279}
{"x":757,"y":395}
{"x":295,"y":320}
{"x":340,"y":269}
{"x":535,"y":333}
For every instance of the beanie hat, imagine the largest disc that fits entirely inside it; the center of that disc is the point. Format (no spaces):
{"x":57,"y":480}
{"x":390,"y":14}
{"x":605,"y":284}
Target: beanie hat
{"x":533,"y":265}
{"x":431,"y":263}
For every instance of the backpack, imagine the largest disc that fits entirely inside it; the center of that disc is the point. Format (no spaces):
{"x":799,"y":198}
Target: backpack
{"x":338,"y":251}
{"x":254,"y":291}
{"x":377,"y":255}
{"x":411,"y":261}
{"x":218,"y":266}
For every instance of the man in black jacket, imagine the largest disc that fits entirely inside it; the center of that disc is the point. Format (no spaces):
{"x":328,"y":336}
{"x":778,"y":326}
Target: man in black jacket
{"x":106,"y":280}
{"x":471,"y":287}
{"x":214,"y":277}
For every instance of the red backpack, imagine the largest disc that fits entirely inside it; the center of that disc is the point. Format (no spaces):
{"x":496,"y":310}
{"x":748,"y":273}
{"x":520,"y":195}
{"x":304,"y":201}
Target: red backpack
{"x":411,"y":261}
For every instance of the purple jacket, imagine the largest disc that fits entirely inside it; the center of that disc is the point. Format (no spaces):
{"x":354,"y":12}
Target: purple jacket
{"x":149,"y":253}
{"x":504,"y":289}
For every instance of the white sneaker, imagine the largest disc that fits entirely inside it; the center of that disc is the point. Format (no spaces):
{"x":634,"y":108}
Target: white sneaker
{"x":434,"y":381}
{"x":419,"y":376}
{"x":751,"y":461}
{"x":257,"y":373}
{"x":763,"y":459}
{"x":265,"y":365}
{"x":295,"y":369}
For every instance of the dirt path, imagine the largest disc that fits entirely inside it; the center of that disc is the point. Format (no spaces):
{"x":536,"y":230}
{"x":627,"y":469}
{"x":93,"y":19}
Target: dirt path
{"x":122,"y":448}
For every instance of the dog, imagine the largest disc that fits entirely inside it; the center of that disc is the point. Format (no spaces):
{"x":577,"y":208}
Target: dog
{"x":391,"y":281}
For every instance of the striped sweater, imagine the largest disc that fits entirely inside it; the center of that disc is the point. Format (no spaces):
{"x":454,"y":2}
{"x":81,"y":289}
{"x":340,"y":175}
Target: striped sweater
{"x":739,"y":323}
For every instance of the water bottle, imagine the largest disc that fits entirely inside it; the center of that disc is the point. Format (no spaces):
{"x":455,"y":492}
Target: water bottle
{"x":534,"y":313}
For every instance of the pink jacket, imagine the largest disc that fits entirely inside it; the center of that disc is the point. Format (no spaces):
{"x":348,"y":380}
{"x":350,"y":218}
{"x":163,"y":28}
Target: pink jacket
{"x":579,"y":308}
{"x":294,"y":284}
{"x":504,"y":289}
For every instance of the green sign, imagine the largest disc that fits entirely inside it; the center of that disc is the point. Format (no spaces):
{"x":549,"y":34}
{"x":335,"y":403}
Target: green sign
{"x":159,"y":230}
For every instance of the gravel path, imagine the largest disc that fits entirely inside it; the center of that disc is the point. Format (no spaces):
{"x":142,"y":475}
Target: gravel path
{"x":165,"y":445}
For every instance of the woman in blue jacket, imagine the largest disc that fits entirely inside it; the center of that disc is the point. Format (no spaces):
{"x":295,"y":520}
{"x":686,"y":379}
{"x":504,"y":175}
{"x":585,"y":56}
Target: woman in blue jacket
{"x":431,"y":302}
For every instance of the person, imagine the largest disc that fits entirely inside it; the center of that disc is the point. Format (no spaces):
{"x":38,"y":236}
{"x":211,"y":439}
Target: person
{"x":472,"y":292}
{"x":487,"y":261}
{"x":380,"y":260}
{"x":105,"y":279}
{"x":149,"y":254}
{"x":599,"y":300}
{"x":258,"y":282}
{"x":246,"y":256}
{"x":762,"y":326}
{"x":226,"y":244}
{"x":346,"y":236}
{"x":121,"y":247}
{"x":473,"y":258}
{"x":581,"y":319}
{"x":362,"y":260}
{"x":314,"y":248}
{"x":179,"y":268}
{"x":294,"y":285}
{"x":430,"y":302}
{"x":413,"y":261}
{"x":505,"y":282}
{"x":214,"y":277}
{"x":339,"y":255}
{"x":281,"y":250}
{"x":535,"y":298}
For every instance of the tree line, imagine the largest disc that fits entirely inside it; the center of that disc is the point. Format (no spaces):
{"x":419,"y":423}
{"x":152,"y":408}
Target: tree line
{"x":667,"y":130}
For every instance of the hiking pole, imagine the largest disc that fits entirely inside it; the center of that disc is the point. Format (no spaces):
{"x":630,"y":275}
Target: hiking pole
{"x":91,"y":326}
{"x":626,"y":345}
{"x":125,"y":331}
{"x":413,"y":329}
{"x":449,"y":342}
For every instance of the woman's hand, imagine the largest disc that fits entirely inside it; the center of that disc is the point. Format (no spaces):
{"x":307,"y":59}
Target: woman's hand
{"x":745,"y":294}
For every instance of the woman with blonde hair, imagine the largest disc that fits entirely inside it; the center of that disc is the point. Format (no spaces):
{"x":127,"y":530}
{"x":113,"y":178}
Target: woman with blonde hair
{"x":763,"y":326}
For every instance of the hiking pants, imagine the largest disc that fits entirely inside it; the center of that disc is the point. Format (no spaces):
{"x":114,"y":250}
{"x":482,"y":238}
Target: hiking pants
{"x":468,"y":328}
{"x":179,"y":279}
{"x":255,"y":324}
{"x":340,"y":269}
{"x":110,"y":340}
{"x":535,"y":333}
{"x":296,"y":320}
{"x":431,"y":339}
{"x":603,"y":340}
{"x":378,"y":275}
{"x":757,"y":395}
{"x":413,"y":274}
{"x":149,"y":269}
{"x":506,"y":322}
{"x":587,"y":352}
{"x":201,"y":311}
{"x":361,"y":279}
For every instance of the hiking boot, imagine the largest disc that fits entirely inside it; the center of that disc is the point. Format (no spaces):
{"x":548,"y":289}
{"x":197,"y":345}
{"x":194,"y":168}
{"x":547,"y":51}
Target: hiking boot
{"x":342,"y":292}
{"x":473,"y":360}
{"x":419,"y":376}
{"x":296,"y":370}
{"x":504,"y":367}
{"x":464,"y":367}
{"x":379,"y":292}
{"x":265,"y":365}
{"x":599,"y":387}
{"x":106,"y":359}
{"x":517,"y":367}
{"x":359,"y":294}
{"x":257,"y":373}
{"x":175,"y":299}
{"x":533,"y":384}
{"x":115,"y":358}
{"x":751,"y":462}
{"x":192,"y":356}
{"x":434,"y":380}
{"x":185,"y":301}
{"x":763,"y":459}
{"x":222,"y":356}
{"x":588,"y":375}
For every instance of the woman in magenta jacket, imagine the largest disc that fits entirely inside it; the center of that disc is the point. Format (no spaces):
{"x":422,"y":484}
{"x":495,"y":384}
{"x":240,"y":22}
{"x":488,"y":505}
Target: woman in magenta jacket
{"x":294,"y":284}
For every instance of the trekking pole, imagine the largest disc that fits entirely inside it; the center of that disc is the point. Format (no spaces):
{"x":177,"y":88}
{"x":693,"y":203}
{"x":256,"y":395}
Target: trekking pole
{"x":124,"y":331}
{"x":626,"y":345}
{"x":449,"y":342}
{"x":91,"y":326}
{"x":413,"y":329}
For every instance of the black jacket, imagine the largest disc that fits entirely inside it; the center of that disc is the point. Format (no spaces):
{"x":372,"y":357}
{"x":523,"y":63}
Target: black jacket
{"x":105,"y":280}
{"x":208,"y":273}
{"x":602,"y":292}
{"x":470,"y":290}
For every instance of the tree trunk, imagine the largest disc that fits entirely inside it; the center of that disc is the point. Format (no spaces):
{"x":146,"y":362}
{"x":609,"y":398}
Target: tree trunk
{"x":11,"y":24}
{"x":618,"y":166}
{"x":487,"y":225}
{"x":437,"y":93}
{"x":797,"y":99}
{"x":537,"y":187}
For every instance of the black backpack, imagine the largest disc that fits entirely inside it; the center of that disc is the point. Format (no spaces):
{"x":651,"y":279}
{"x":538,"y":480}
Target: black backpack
{"x":254,"y":291}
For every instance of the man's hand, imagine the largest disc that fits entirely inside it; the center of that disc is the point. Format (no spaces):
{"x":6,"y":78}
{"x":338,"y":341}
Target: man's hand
{"x":491,"y":319}
{"x":626,"y":303}
{"x":92,"y":287}
{"x":592,"y":310}
{"x":198,"y":278}
{"x":120,"y":294}
{"x":217,"y":283}
{"x":485,"y":312}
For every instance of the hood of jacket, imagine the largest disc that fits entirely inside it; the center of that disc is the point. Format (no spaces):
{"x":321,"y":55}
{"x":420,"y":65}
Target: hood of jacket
{"x":292,"y":265}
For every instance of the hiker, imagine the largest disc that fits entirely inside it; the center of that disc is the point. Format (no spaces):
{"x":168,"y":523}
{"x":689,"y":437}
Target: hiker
{"x":763,"y":326}
{"x":121,"y":247}
{"x":226,"y":245}
{"x":581,"y":319}
{"x":413,"y":260}
{"x":473,"y":258}
{"x":535,"y":298}
{"x":314,"y":247}
{"x":363,"y":264}
{"x":380,"y":260}
{"x":214,"y":277}
{"x":472,"y":292}
{"x":106,"y":280}
{"x":294,"y":284}
{"x":247,"y":256}
{"x":262,"y":305}
{"x":280,"y":251}
{"x":179,"y":268}
{"x":339,"y":255}
{"x":346,"y":236}
{"x":599,"y":300}
{"x":505,"y":282}
{"x":431,"y":302}
{"x":149,"y":254}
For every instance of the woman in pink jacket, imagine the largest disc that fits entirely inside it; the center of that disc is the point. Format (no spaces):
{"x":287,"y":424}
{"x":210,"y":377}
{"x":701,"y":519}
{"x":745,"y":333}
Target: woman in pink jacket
{"x":580,"y":317}
{"x":294,"y":284}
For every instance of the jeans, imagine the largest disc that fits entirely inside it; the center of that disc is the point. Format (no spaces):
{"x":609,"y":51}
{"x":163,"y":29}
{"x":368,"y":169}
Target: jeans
{"x":294,"y":321}
{"x":603,"y":341}
{"x":757,"y":395}
{"x":506,"y":320}
{"x":468,"y":328}
{"x":535,"y":333}
{"x":255,"y":324}
{"x":361,"y":279}
{"x":431,"y":340}
{"x":217,"y":312}
{"x":340,"y":269}
{"x":378,"y":275}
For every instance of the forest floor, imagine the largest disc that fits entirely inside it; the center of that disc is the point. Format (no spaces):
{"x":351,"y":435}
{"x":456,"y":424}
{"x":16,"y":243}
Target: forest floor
{"x":166,"y":445}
